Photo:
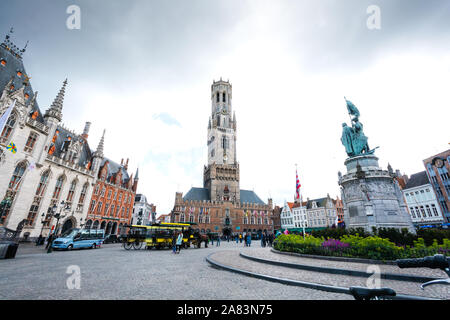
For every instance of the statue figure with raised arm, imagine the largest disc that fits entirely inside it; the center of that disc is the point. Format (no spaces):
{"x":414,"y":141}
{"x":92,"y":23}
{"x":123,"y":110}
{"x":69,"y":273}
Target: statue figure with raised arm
{"x":353,"y":138}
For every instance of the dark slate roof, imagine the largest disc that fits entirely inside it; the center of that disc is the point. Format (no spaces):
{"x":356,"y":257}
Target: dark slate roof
{"x":86,"y":154}
{"x":250,"y":197}
{"x":197,"y":194}
{"x":200,"y":194}
{"x":113,"y":169}
{"x":417,"y":179}
{"x":9,"y":71}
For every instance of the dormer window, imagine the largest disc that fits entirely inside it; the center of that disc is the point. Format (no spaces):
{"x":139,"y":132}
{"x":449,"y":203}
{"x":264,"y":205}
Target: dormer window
{"x":3,"y":62}
{"x":19,"y":74}
{"x":27,"y":95}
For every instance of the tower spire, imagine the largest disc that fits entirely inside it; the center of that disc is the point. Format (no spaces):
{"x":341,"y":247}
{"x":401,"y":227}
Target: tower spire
{"x":101,"y":144}
{"x":55,"y":109}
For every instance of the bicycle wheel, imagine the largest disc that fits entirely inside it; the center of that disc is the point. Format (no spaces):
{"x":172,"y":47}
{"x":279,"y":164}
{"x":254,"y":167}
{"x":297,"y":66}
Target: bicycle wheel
{"x":137,"y":245}
{"x":127,"y":245}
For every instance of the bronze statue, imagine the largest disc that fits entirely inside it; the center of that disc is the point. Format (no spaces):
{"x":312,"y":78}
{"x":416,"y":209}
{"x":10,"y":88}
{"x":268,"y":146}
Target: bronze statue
{"x":353,"y":138}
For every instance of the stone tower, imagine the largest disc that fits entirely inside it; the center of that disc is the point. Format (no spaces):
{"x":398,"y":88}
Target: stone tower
{"x":221,"y":175}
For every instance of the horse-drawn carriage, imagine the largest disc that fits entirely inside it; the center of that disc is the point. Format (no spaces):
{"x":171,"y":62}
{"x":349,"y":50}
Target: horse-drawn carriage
{"x":160,"y":236}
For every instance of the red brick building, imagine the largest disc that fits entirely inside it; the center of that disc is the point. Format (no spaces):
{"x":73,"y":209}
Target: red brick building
{"x":113,"y":196}
{"x":438,"y":168}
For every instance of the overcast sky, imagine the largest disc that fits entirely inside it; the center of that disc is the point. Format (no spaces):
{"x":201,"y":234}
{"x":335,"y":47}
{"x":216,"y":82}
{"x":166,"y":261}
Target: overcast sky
{"x":143,"y":70}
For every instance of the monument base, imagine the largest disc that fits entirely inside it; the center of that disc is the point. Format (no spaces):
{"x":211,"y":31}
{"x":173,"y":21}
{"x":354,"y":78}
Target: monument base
{"x":372,"y":197}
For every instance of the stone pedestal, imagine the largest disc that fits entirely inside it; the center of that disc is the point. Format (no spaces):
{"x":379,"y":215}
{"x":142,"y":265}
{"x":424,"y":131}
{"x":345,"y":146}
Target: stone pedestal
{"x":371,"y":196}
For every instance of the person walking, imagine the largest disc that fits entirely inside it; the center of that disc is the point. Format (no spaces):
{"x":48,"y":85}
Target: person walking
{"x":218,"y":241}
{"x":179,"y":242}
{"x":249,"y":239}
{"x":174,"y":243}
{"x":240,"y":237}
{"x":263,"y":241}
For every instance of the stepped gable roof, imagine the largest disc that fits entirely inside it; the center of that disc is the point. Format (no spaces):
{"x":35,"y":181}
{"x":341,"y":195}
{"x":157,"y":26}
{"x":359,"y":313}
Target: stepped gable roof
{"x":113,"y":169}
{"x":85,"y":152}
{"x":9,"y":71}
{"x":201,"y":194}
{"x":417,"y":179}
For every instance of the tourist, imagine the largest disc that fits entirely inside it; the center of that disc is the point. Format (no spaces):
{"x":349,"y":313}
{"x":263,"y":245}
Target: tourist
{"x":249,"y":239}
{"x":240,"y":237}
{"x":174,"y":243}
{"x":179,"y":241}
{"x":218,"y":241}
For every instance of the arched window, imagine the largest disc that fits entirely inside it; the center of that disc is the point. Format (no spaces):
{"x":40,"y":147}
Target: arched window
{"x":224,"y":97}
{"x":40,"y":190}
{"x":9,"y":127}
{"x":82,"y":196}
{"x":13,"y":187}
{"x":58,"y":187}
{"x":31,"y":141}
{"x":218,"y":97}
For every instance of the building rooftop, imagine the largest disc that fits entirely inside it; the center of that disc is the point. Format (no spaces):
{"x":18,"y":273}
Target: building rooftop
{"x":417,"y":179}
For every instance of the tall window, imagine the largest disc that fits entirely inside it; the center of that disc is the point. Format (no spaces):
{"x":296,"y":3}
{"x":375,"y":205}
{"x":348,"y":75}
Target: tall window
{"x":9,"y":127}
{"x":181,"y":217}
{"x":433,"y":207}
{"x":191,"y":218}
{"x":40,"y":190}
{"x":99,"y":207}
{"x":31,"y":141}
{"x":224,"y":142}
{"x":428,"y":211}
{"x":82,"y":196}
{"x":112,"y":210}
{"x":58,"y":187}
{"x":109,"y":194}
{"x":91,"y":209}
{"x":73,"y":185}
{"x":224,"y":97}
{"x":106,"y":209}
{"x":13,"y":186}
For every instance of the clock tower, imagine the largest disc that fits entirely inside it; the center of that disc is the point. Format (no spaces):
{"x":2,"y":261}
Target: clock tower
{"x":221,"y":175}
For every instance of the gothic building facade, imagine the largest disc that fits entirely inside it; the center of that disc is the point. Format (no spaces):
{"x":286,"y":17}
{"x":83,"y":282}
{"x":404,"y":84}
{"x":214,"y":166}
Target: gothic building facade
{"x":221,"y":205}
{"x":47,"y":172}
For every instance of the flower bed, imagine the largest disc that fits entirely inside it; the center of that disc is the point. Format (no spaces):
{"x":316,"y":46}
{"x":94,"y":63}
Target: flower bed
{"x":355,"y":246}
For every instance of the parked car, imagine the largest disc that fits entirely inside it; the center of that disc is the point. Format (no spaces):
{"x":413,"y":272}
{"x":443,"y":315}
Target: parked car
{"x":111,"y":238}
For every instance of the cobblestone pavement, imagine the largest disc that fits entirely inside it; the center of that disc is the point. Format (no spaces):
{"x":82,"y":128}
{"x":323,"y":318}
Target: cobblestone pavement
{"x":232,"y":258}
{"x":384,"y":268}
{"x":114,"y":273}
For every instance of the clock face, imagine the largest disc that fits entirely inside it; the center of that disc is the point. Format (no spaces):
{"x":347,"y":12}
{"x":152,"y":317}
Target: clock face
{"x":439,"y":163}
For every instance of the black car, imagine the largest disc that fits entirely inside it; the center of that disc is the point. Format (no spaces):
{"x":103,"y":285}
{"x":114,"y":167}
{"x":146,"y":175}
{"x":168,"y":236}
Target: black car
{"x":111,"y":238}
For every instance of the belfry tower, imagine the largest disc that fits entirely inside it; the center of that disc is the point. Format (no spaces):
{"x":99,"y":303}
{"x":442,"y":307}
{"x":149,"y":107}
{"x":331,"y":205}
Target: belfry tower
{"x":221,"y":175}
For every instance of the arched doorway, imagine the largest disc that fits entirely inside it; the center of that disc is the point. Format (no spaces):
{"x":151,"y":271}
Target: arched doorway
{"x":95,"y":226}
{"x":68,"y":224}
{"x":88,"y":224}
{"x":114,"y":228}
{"x":103,"y":225}
{"x":108,"y":228}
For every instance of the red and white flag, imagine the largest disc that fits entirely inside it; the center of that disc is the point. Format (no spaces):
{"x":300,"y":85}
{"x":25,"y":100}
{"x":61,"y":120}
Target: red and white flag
{"x":297,"y":186}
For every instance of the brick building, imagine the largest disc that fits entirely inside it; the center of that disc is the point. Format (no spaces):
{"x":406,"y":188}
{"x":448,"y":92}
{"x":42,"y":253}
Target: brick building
{"x":113,"y":196}
{"x":437,"y":168}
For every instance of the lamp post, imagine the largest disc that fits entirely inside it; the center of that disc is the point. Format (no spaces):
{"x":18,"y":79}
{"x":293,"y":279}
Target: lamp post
{"x":57,"y":215}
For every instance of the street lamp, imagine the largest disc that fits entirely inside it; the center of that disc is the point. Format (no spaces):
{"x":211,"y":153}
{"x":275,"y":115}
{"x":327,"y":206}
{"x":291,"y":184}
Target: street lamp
{"x":57,"y":215}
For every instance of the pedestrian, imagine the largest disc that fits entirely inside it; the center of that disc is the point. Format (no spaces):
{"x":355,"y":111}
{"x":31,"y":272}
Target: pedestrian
{"x":240,"y":237}
{"x":39,"y":240}
{"x":174,"y":243}
{"x":263,"y":241}
{"x":49,"y":240}
{"x":237,"y":239}
{"x":212,"y":239}
{"x":249,"y":239}
{"x":245,"y":239}
{"x":218,"y":241}
{"x":179,"y":241}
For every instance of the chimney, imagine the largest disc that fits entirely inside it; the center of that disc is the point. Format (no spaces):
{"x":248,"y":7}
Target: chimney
{"x":85,"y":134}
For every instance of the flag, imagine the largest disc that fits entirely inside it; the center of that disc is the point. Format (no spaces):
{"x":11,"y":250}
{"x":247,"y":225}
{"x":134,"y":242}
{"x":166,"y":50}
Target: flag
{"x":297,"y":186}
{"x":4,"y":118}
{"x":12,"y":147}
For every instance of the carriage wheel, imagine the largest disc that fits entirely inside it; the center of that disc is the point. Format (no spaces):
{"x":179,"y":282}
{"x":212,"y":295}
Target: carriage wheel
{"x":137,"y":245}
{"x":127,"y":245}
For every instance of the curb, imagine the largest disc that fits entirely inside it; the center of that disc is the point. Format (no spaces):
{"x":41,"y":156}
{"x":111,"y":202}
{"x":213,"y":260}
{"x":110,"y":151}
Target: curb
{"x":343,"y":259}
{"x":297,"y":283}
{"x":347,"y":272}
